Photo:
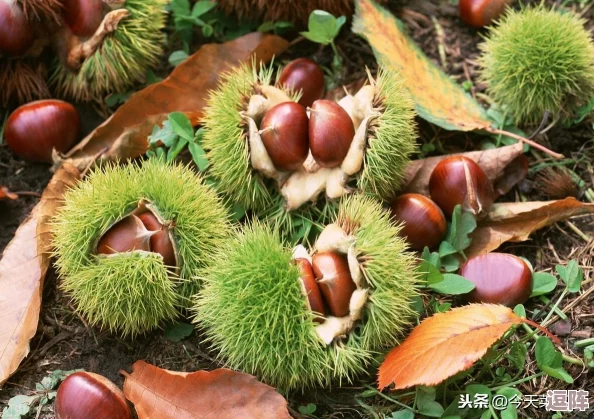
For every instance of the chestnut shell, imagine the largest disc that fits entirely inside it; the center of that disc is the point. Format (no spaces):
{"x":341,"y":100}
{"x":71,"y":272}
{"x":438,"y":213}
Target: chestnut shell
{"x":314,"y":295}
{"x":83,"y":17}
{"x":334,"y":279}
{"x":16,"y":33}
{"x":424,"y":222}
{"x":160,"y":242}
{"x":331,"y":133}
{"x":306,"y":76}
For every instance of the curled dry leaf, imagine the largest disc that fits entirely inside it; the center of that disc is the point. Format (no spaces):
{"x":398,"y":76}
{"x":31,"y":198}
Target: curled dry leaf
{"x":495,"y":162}
{"x":515,"y":221}
{"x":6,"y":194}
{"x":124,"y":134}
{"x":22,"y":271}
{"x":445,"y":344}
{"x":221,"y":394}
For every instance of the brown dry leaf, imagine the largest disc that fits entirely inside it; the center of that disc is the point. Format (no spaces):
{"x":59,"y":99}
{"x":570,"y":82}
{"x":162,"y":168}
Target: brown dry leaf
{"x":124,"y":134}
{"x":6,"y":194}
{"x":494,"y":162}
{"x":515,"y":221}
{"x":445,"y":344}
{"x":22,"y":271}
{"x":221,"y":394}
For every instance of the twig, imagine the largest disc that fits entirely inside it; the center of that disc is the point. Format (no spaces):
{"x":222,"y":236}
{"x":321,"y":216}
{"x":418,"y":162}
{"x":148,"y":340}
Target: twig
{"x":524,"y":140}
{"x":577,"y":231}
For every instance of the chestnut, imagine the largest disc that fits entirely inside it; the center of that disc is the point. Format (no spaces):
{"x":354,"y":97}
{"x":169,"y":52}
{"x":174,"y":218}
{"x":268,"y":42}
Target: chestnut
{"x":334,"y":279}
{"x":306,"y":76}
{"x":83,"y":17}
{"x":424,"y":222}
{"x":160,"y":242}
{"x":16,"y":33}
{"x":499,"y":278}
{"x":479,"y":13}
{"x":85,"y":395}
{"x":314,"y":296}
{"x":460,"y":180}
{"x":284,"y":131}
{"x":331,"y":132}
{"x":126,"y":235}
{"x":34,"y":129}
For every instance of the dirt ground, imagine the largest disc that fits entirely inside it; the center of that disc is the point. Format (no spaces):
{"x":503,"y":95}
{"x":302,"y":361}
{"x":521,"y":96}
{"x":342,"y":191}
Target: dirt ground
{"x":64,"y":341}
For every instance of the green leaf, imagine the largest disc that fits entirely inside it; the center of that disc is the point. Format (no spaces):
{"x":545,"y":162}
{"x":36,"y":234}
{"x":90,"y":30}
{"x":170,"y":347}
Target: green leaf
{"x":432,"y":275}
{"x":181,"y":125}
{"x":463,"y":223}
{"x":177,"y":57}
{"x":177,"y":148}
{"x":207,"y":31}
{"x":520,"y":311}
{"x":542,"y":283}
{"x":266,"y":27}
{"x":237,"y":212}
{"x":453,"y":284}
{"x":176,"y":332}
{"x":322,"y":27}
{"x":517,"y":355}
{"x":18,"y":406}
{"x":180,"y":7}
{"x":510,"y":412}
{"x":402,"y":414}
{"x":425,"y":401}
{"x":584,"y":111}
{"x":431,"y":257}
{"x":545,"y":353}
{"x":473,"y":389}
{"x":202,"y":7}
{"x":199,"y":156}
{"x":572,"y":275}
{"x":558,"y":373}
{"x":307,"y":410}
{"x":450,"y":263}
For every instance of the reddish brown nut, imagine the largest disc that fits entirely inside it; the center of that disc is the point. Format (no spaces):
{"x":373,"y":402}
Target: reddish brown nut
{"x":424,"y":222}
{"x":314,"y":296}
{"x":331,"y":132}
{"x":85,"y":395}
{"x":160,"y":242}
{"x":499,"y":278}
{"x":16,"y":33}
{"x":125,"y":236}
{"x":306,"y":76}
{"x":34,"y":129}
{"x":479,"y":13}
{"x":284,"y":134}
{"x":459,"y":180}
{"x":334,"y":279}
{"x":83,"y":17}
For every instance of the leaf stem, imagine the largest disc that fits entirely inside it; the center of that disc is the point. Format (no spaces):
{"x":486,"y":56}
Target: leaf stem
{"x":563,"y":294}
{"x":524,"y":140}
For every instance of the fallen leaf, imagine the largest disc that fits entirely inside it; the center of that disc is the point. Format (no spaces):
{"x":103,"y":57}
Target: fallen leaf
{"x":5,"y":193}
{"x":437,"y":97}
{"x":515,"y":221}
{"x":221,"y":394}
{"x":22,"y":271}
{"x":445,"y":344}
{"x":124,"y":134}
{"x":494,"y":162}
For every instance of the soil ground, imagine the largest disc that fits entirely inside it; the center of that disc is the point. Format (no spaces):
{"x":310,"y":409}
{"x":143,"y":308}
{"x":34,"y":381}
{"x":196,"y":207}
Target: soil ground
{"x":65,"y":342}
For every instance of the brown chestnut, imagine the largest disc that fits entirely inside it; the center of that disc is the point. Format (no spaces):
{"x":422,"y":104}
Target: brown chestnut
{"x":479,"y":13}
{"x":499,"y":278}
{"x":85,"y":395}
{"x":424,"y":222}
{"x":459,"y":180}
{"x":16,"y":33}
{"x":34,"y":129}
{"x":334,"y":279}
{"x":314,"y":296}
{"x":285,"y":136}
{"x":331,"y":132}
{"x":160,"y":242}
{"x":126,"y":235}
{"x":83,"y":17}
{"x":306,"y":76}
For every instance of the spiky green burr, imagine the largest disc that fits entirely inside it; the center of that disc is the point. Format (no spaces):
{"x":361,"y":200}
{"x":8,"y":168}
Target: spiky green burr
{"x":537,"y":60}
{"x":132,"y":292}
{"x":254,"y":314}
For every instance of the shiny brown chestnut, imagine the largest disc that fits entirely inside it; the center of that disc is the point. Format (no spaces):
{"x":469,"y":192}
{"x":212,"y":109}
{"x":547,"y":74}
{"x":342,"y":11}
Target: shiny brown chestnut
{"x":85,"y":395}
{"x":83,"y":17}
{"x":16,"y":33}
{"x":314,"y":295}
{"x":126,"y":235}
{"x":479,"y":13}
{"x":333,"y":276}
{"x":331,"y":133}
{"x":284,"y":132}
{"x":459,"y":180}
{"x":499,"y":278}
{"x":306,"y":76}
{"x":35,"y":128}
{"x":424,"y":222}
{"x":160,"y":242}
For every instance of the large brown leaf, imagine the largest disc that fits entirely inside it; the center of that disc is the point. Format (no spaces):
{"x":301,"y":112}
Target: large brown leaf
{"x":515,"y":221}
{"x":445,"y":344}
{"x":22,"y":271}
{"x":124,"y":134}
{"x":220,"y":394}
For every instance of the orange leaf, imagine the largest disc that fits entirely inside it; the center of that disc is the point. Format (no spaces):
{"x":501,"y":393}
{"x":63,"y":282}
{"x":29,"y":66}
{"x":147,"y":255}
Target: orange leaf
{"x":445,"y":344}
{"x":22,"y":271}
{"x":124,"y":134}
{"x":515,"y":221}
{"x":220,"y":394}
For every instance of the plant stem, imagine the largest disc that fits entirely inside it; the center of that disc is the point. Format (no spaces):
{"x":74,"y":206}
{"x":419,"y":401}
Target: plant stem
{"x":520,"y":381}
{"x":584,"y":343}
{"x":557,"y":311}
{"x":563,"y":294}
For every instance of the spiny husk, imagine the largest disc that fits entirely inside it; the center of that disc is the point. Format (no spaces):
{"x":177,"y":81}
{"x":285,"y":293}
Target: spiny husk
{"x":537,"y":60}
{"x":122,"y":59}
{"x":41,"y":10}
{"x":23,"y":80}
{"x":254,"y":313}
{"x":132,"y":292}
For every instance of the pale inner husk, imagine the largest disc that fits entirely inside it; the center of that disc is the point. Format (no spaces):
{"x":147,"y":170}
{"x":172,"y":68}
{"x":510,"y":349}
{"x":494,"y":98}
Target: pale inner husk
{"x":310,"y":180}
{"x":333,"y":238}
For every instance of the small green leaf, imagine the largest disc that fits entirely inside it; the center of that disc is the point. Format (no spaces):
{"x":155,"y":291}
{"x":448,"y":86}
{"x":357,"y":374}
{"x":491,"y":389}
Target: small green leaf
{"x":545,"y":352}
{"x":572,"y":275}
{"x":402,"y":414}
{"x":181,"y":125}
{"x":425,"y":401}
{"x":176,"y":332}
{"x":446,"y":249}
{"x":453,"y":284}
{"x":450,"y":263}
{"x":202,"y":7}
{"x":18,"y":406}
{"x":558,"y":373}
{"x":237,"y":212}
{"x":180,"y":7}
{"x":520,"y":311}
{"x":177,"y":148}
{"x":266,"y":27}
{"x":207,"y":31}
{"x":473,"y":389}
{"x":517,"y":355}
{"x":463,"y":223}
{"x":308,"y":409}
{"x":199,"y":156}
{"x":542,"y":283}
{"x":177,"y":57}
